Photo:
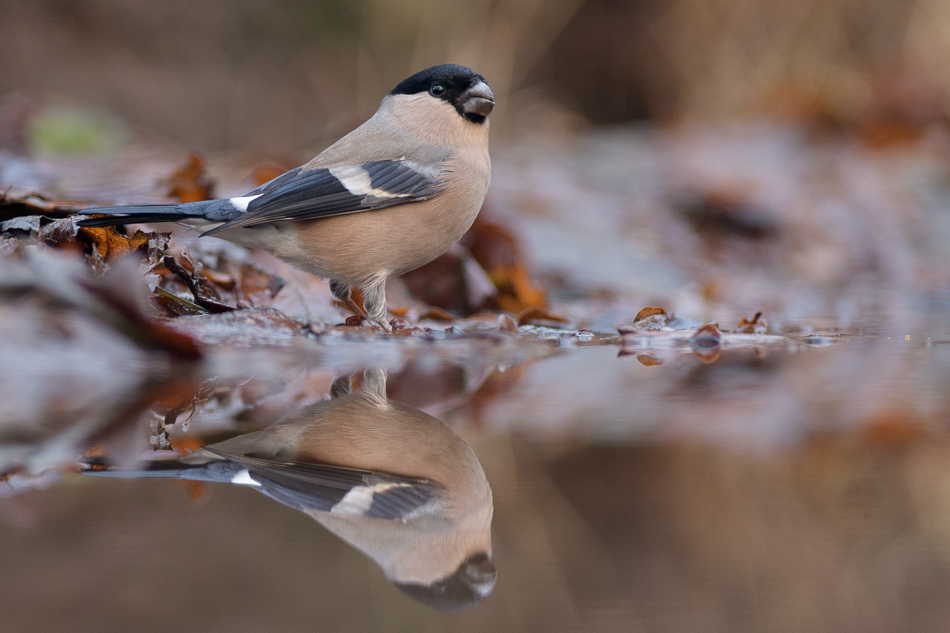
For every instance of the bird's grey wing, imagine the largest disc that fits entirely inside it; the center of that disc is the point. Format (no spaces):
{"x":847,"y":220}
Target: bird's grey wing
{"x":302,"y":194}
{"x":340,"y":490}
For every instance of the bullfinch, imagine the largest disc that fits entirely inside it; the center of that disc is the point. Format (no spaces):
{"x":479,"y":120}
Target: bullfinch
{"x":390,"y":196}
{"x":393,"y":482}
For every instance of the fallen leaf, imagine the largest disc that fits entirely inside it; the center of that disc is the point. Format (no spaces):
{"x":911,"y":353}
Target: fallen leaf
{"x":190,"y":182}
{"x":158,"y":436}
{"x":267,"y":171}
{"x":729,"y":213}
{"x":454,"y":282}
{"x":507,"y":324}
{"x":401,"y":327}
{"x":434,"y":314}
{"x":204,"y":294}
{"x":110,"y":245}
{"x":756,"y":325}
{"x":540,"y":316}
{"x":707,"y":343}
{"x":497,"y":251}
{"x":649,"y":319}
{"x":257,"y":286}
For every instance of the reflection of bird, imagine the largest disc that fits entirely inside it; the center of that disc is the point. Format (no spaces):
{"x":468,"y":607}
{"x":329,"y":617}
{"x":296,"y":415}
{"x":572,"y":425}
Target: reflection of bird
{"x":392,"y":481}
{"x":345,"y":215}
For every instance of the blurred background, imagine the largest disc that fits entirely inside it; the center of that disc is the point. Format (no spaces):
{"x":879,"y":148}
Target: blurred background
{"x":293,"y":74}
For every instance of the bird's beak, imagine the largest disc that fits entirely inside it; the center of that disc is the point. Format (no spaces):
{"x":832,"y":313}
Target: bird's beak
{"x":478,"y":100}
{"x":481,"y":576}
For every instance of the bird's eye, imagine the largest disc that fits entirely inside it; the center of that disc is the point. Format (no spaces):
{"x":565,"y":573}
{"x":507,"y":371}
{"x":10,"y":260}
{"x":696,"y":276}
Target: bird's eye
{"x":437,"y":90}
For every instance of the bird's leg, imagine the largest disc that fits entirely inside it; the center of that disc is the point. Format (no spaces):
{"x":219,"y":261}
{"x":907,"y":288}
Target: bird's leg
{"x":374,"y":386}
{"x":374,"y":298}
{"x":341,"y":292}
{"x":340,"y":387}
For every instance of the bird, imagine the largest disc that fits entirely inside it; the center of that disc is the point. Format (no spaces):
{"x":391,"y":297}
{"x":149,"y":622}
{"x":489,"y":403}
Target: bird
{"x":390,"y":480}
{"x":387,"y":198}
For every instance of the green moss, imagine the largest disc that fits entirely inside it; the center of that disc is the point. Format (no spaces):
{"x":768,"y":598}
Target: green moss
{"x":70,"y":130}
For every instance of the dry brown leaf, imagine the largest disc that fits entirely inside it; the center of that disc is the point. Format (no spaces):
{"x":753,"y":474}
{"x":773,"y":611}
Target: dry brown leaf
{"x":110,"y":245}
{"x":651,"y":311}
{"x":649,"y":319}
{"x":190,"y":182}
{"x":454,"y":281}
{"x":401,"y":327}
{"x":497,"y":251}
{"x":435,"y":314}
{"x":755,"y":325}
{"x":203,"y":292}
{"x":540,"y":316}
{"x":267,"y":171}
{"x":727,"y":212}
{"x":507,"y":324}
{"x":222,"y":280}
{"x":707,"y":343}
{"x":257,"y":286}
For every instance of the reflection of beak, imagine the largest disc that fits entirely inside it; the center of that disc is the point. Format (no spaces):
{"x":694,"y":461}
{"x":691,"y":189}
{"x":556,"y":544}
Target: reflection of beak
{"x":478,"y":100}
{"x":481,"y":575}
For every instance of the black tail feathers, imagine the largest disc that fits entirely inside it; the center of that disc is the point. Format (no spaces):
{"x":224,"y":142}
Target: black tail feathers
{"x":213,"y":211}
{"x":158,"y":469}
{"x":133,"y":215}
{"x":211,"y":469}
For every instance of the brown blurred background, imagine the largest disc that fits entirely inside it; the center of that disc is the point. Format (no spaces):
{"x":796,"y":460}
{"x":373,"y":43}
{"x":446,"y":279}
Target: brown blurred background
{"x":294,"y":74}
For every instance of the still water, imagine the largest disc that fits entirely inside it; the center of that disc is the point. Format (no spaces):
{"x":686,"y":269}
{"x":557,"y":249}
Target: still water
{"x":541,"y":483}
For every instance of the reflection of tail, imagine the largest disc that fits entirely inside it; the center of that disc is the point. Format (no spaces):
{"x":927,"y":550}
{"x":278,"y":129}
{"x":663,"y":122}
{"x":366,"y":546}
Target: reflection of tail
{"x":199,"y":468}
{"x":302,"y":486}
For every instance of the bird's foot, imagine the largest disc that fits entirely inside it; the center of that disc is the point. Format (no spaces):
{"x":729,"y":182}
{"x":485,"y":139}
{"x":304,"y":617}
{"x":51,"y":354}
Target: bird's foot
{"x":355,"y":308}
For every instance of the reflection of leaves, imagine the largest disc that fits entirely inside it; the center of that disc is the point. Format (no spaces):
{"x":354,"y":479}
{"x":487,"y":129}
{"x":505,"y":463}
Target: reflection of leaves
{"x":707,"y":343}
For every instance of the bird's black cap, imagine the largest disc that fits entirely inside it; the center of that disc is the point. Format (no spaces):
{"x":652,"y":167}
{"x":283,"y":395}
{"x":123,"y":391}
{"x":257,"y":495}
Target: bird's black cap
{"x":448,"y":82}
{"x":452,"y":77}
{"x":471,"y":583}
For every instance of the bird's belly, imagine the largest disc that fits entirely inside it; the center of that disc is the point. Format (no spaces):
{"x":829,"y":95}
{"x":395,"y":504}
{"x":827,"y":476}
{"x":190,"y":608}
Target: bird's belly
{"x":358,"y":247}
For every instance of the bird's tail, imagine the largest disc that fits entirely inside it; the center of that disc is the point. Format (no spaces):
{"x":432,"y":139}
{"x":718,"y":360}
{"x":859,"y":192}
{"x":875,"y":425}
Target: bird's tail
{"x":206,"y":211}
{"x":211,"y":468}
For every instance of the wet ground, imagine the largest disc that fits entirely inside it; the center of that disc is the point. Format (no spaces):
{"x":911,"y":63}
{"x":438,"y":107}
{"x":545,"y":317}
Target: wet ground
{"x":785,"y":473}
